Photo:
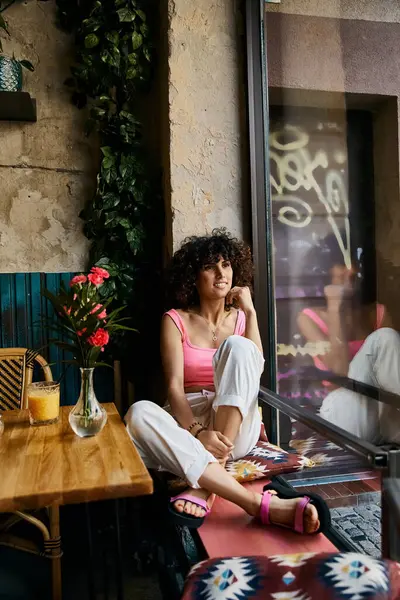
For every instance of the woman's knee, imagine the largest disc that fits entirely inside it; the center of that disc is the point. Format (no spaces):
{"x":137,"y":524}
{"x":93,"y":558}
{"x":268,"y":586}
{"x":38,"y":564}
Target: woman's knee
{"x":385,"y":337}
{"x":140,"y":417}
{"x":237,"y":344}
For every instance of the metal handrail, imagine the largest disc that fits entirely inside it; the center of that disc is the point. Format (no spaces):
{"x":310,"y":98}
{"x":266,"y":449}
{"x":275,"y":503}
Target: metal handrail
{"x":353,"y":385}
{"x":376,"y":456}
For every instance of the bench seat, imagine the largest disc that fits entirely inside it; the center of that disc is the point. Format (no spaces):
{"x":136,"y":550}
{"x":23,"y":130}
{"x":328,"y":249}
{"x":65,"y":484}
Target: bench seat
{"x":229,"y":531}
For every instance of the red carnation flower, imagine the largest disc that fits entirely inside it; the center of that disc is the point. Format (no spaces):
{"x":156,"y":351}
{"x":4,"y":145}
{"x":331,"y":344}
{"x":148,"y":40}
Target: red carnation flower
{"x":100,"y":272}
{"x":101,"y":315}
{"x":77,"y":280}
{"x":95,"y":279}
{"x":100,"y":338}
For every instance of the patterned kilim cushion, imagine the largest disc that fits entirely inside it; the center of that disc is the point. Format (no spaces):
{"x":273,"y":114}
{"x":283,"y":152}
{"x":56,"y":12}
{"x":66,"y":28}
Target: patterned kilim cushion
{"x":325,"y":576}
{"x":266,"y":460}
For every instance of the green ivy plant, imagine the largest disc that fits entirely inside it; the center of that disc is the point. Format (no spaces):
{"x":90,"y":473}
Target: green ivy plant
{"x":112,"y":67}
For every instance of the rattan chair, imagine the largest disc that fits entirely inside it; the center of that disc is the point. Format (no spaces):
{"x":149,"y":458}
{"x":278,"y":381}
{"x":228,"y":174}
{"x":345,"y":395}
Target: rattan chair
{"x":16,"y":373}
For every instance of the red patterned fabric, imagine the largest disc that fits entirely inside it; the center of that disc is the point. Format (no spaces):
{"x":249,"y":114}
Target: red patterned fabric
{"x":266,"y":460}
{"x":308,"y":576}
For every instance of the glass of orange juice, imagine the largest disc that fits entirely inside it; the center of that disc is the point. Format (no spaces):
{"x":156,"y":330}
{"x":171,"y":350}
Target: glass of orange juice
{"x":43,"y":402}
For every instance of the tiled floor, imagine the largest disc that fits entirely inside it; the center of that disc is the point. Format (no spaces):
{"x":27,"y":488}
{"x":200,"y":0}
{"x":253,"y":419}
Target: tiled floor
{"x":365,"y":488}
{"x":361,"y":526}
{"x":355,"y":509}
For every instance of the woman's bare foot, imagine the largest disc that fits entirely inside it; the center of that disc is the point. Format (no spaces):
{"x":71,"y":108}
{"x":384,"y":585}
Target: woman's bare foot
{"x":282,"y":512}
{"x":183,"y":506}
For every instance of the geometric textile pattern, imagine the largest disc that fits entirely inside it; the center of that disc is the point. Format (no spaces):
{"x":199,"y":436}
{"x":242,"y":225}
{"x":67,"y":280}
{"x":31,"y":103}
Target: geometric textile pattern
{"x":324,"y":576}
{"x":229,"y":579}
{"x":355,"y":576}
{"x":266,"y":460}
{"x":12,"y":370}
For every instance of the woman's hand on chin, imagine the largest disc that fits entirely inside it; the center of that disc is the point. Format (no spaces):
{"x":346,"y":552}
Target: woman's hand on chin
{"x":243,"y":298}
{"x":216,"y":443}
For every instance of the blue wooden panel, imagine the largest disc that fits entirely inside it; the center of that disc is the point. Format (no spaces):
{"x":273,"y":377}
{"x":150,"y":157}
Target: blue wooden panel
{"x":21,"y":309}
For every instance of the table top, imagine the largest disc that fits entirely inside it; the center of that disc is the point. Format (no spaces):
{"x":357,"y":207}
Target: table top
{"x":49,"y":464}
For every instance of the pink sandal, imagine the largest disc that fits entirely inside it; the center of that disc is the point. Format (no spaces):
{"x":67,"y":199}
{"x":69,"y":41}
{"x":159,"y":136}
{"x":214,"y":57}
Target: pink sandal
{"x":188,"y":520}
{"x":298,"y":518}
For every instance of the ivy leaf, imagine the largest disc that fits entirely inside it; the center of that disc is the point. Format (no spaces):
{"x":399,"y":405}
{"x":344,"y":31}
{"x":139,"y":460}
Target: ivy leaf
{"x":110,"y":174}
{"x":96,"y":6}
{"x":144,"y":29}
{"x":125,"y":15}
{"x":137,"y":40}
{"x":141,"y":14}
{"x":110,"y":200}
{"x":128,"y":116}
{"x":91,"y":40}
{"x":133,"y":240}
{"x":146,"y":53}
{"x":112,"y":216}
{"x":97,"y":112}
{"x":113,"y":37}
{"x":91,"y":24}
{"x":107,"y":151}
{"x":125,"y":223}
{"x":109,"y":59}
{"x":132,"y":58}
{"x":108,"y":162}
{"x":27,"y":65}
{"x":131,"y":73}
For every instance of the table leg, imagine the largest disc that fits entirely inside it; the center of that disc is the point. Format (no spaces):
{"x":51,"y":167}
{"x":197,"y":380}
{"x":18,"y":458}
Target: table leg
{"x":118,"y":554}
{"x":91,"y":574}
{"x":54,"y":512}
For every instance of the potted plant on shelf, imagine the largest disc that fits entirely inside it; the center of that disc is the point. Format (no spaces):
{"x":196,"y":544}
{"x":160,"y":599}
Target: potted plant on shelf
{"x":85,"y":325}
{"x":10,"y":67}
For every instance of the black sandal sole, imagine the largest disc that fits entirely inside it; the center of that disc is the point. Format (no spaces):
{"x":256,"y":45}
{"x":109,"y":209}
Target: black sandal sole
{"x":184,"y":520}
{"x":324,"y":514}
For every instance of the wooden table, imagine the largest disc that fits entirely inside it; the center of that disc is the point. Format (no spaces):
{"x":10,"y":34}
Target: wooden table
{"x":49,"y":465}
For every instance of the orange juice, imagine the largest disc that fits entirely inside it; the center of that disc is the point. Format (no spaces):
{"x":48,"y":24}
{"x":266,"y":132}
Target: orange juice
{"x":43,"y":402}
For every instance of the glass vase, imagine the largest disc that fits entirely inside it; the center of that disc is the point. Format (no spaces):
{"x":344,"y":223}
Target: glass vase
{"x":88,"y":417}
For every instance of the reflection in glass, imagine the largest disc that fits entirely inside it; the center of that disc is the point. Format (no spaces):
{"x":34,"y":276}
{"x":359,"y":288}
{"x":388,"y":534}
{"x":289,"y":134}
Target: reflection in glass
{"x":334,"y":175}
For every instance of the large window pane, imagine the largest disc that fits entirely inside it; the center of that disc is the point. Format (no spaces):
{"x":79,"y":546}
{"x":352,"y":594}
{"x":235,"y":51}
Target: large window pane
{"x":334,"y":172}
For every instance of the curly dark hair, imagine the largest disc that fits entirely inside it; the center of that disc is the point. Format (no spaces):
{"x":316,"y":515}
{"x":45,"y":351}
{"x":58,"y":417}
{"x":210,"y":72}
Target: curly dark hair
{"x":194,"y":254}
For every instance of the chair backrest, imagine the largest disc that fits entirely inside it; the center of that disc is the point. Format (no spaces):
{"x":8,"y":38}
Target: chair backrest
{"x":16,"y":373}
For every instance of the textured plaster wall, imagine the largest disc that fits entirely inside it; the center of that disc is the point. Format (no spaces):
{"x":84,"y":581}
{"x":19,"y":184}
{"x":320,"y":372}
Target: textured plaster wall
{"x":46,"y":168}
{"x":204,"y":118}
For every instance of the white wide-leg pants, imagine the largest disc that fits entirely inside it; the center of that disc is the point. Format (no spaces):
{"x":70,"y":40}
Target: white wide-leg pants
{"x":377,"y":363}
{"x":164,"y":445}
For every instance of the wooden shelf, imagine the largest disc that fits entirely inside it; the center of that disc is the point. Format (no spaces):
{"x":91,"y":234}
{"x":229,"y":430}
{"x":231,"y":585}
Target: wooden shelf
{"x":17,"y":106}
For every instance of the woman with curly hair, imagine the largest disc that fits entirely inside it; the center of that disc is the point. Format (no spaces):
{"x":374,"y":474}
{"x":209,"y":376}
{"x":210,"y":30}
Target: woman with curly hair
{"x":212,"y":359}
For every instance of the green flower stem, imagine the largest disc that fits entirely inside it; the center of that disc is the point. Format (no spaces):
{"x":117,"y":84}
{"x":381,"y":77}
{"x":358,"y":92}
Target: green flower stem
{"x":86,"y":375}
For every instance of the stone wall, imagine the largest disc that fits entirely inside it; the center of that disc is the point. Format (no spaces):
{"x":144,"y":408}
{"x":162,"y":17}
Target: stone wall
{"x":47,"y":169}
{"x":204,"y":112}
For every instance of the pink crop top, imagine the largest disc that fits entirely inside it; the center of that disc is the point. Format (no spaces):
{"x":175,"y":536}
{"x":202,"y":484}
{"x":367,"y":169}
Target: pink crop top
{"x":354,"y":346}
{"x":197,"y":362}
